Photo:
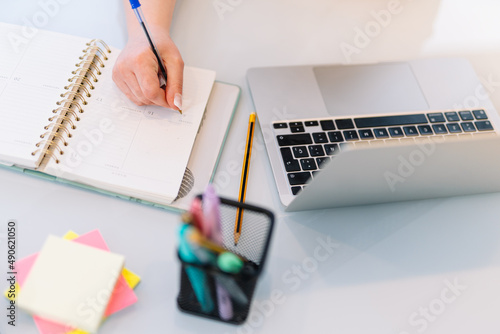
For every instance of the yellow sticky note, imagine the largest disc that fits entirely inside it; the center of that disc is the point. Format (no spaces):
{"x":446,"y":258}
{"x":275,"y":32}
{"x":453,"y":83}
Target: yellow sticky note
{"x":131,"y":278}
{"x":70,"y":235}
{"x":16,"y":292}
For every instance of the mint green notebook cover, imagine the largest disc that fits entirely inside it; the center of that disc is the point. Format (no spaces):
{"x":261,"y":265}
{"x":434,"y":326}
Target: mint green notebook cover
{"x":171,"y":207}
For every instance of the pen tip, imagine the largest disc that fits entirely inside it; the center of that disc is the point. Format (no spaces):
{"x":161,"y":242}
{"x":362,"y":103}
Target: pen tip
{"x":180,"y":111}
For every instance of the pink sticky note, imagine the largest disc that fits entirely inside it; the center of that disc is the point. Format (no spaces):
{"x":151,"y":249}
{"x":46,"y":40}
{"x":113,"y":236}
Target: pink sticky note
{"x":92,"y":238}
{"x":23,"y":267}
{"x":49,"y":327}
{"x":122,"y":296}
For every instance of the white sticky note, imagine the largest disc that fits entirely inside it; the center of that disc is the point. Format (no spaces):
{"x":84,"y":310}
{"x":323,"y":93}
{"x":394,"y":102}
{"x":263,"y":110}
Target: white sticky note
{"x":71,"y":283}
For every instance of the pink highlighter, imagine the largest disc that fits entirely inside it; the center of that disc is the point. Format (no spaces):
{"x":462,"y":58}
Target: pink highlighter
{"x":196,"y":211}
{"x":212,"y":229}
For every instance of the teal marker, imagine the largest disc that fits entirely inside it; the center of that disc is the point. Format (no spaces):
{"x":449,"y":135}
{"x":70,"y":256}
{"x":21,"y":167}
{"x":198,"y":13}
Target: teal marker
{"x":196,"y":276}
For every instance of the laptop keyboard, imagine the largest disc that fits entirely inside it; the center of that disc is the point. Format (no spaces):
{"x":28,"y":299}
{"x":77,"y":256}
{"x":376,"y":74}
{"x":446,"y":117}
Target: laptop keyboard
{"x":307,"y":144}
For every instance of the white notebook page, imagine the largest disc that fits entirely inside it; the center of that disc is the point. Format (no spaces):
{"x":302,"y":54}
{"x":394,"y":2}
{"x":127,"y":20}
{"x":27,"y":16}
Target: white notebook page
{"x":34,"y":68}
{"x":136,"y":151}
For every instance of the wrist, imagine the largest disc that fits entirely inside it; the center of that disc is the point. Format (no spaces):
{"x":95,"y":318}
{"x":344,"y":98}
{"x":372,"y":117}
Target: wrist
{"x":135,"y":31}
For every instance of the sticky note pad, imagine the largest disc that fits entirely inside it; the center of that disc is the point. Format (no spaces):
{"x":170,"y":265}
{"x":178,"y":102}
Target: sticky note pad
{"x":71,"y":283}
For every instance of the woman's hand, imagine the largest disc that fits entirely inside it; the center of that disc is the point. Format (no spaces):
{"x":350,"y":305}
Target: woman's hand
{"x":136,"y":70}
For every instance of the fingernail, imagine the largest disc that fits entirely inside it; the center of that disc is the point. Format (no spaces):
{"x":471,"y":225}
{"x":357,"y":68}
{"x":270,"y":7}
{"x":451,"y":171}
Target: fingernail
{"x":178,"y":101}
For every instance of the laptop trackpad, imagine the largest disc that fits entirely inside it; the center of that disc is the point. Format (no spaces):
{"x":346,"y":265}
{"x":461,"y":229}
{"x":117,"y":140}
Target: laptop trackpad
{"x":369,"y":89}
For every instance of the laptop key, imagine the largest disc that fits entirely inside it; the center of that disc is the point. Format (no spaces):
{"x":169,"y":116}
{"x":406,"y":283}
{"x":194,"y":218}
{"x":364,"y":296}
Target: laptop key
{"x":320,"y":137}
{"x":351,"y":135}
{"x":296,"y":189}
{"x":308,"y":164}
{"x":327,"y":125}
{"x":410,"y":131}
{"x":332,"y":149}
{"x":365,"y":134}
{"x":396,"y":132}
{"x":439,"y":128}
{"x":381,"y":133}
{"x":300,"y":152}
{"x":335,"y":136}
{"x":311,"y":123}
{"x":452,"y":116}
{"x":347,"y":145}
{"x":480,"y":114}
{"x":316,"y":151}
{"x":291,"y":164}
{"x":454,"y":128}
{"x":436,"y":117}
{"x":298,"y":139}
{"x":344,"y":124}
{"x":280,"y":125}
{"x":300,"y":178}
{"x":466,"y":115}
{"x":322,"y":161}
{"x":297,"y":129}
{"x":425,"y":130}
{"x":468,"y":127}
{"x":484,"y":126}
{"x":379,"y":121}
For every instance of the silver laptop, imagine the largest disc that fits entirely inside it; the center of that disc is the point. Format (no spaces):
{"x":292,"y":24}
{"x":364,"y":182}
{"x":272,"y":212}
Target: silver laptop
{"x":347,"y":135}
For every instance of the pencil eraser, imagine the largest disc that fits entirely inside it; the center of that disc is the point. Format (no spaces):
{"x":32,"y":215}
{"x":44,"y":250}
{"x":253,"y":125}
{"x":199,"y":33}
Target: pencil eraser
{"x":71,"y":283}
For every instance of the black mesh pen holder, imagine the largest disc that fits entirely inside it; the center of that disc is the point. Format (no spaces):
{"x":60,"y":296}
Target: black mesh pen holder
{"x":253,"y":244}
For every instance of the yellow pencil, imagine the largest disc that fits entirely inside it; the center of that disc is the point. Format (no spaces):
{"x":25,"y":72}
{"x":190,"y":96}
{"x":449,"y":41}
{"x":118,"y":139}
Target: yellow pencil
{"x":244,"y":178}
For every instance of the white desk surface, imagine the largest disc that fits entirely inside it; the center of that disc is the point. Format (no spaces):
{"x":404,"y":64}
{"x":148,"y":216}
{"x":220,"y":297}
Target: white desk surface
{"x":393,"y":263}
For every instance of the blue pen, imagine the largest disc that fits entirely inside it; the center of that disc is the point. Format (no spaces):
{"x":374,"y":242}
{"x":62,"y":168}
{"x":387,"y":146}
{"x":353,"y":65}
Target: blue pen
{"x":136,"y":7}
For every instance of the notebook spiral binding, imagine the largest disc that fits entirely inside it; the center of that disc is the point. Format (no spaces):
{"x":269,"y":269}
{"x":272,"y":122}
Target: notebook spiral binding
{"x":75,"y":96}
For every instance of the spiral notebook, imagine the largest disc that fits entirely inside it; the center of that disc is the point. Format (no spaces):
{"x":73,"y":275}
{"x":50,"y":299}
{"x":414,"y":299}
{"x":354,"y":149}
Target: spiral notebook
{"x":63,"y":118}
